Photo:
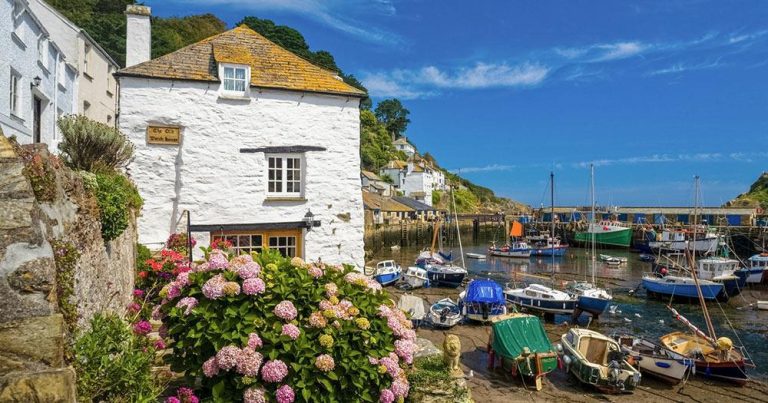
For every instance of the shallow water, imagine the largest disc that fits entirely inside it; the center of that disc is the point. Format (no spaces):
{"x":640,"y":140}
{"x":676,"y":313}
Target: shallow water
{"x":634,"y":314}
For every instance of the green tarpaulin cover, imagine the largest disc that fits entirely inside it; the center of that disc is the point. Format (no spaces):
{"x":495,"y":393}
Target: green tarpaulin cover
{"x":510,"y":336}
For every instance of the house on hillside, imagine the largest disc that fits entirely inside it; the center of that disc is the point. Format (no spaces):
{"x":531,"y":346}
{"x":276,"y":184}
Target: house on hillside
{"x":384,"y":210}
{"x":418,"y":182}
{"x":96,"y":93}
{"x":258,"y":144}
{"x":421,"y":211}
{"x":37,"y":80}
{"x":403,"y":145}
{"x":373,"y":183}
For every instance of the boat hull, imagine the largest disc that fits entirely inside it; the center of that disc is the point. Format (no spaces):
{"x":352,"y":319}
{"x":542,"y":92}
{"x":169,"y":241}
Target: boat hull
{"x":620,"y":238}
{"x":543,"y":305}
{"x":701,"y":246}
{"x":592,"y":305}
{"x":659,"y":288}
{"x":549,"y":251}
{"x":513,"y":253}
{"x":452,"y":280}
{"x":731,"y":371}
{"x":387,"y":279}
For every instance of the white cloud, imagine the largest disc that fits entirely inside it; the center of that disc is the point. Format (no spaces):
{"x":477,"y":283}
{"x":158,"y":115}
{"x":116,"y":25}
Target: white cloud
{"x":620,"y":50}
{"x":681,"y":67}
{"x":487,"y":168}
{"x":663,"y":158}
{"x":342,"y":15}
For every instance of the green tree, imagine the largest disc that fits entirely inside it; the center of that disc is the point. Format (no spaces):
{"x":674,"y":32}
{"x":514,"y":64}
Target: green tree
{"x":394,"y":116}
{"x":375,"y":144}
{"x":171,"y":34}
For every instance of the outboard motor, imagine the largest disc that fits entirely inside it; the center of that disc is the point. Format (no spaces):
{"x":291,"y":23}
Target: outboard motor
{"x":485,"y":310}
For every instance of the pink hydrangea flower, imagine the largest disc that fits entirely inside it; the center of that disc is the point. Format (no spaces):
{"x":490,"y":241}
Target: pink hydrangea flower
{"x":249,"y":362}
{"x":315,"y":272}
{"x":254,"y":341}
{"x":142,"y":327}
{"x":373,"y":360}
{"x":134,"y":307}
{"x":186,"y":395}
{"x":230,"y":288}
{"x":386,"y":396}
{"x":285,"y":394}
{"x":218,"y":260}
{"x":159,"y":344}
{"x":183,"y":279}
{"x":157,"y":313}
{"x":325,"y":363}
{"x":249,"y":270}
{"x":274,"y":371}
{"x":400,"y":387}
{"x":172,"y":399}
{"x":138,"y":293}
{"x":393,"y":368}
{"x":188,"y":303}
{"x":214,"y":287}
{"x":227,"y":357}
{"x":291,"y":331}
{"x":211,"y":367}
{"x":285,"y":310}
{"x":331,"y":290}
{"x":317,"y":320}
{"x":254,"y":395}
{"x":405,"y":350}
{"x":253,"y":286}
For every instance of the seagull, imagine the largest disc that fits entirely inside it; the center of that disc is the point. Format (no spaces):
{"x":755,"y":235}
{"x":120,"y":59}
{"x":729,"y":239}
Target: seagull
{"x":627,"y":320}
{"x":612,"y":309}
{"x":638,"y":315}
{"x":661,"y":321}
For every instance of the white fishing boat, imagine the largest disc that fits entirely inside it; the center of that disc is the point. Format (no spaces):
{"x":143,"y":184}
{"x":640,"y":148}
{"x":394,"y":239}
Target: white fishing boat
{"x":444,"y":313}
{"x":387,"y":272}
{"x":757,"y":265}
{"x":679,"y":240}
{"x":475,"y":256}
{"x":416,"y":277}
{"x":613,"y":259}
{"x":656,"y":360}
{"x":515,"y":249}
{"x":542,"y":298}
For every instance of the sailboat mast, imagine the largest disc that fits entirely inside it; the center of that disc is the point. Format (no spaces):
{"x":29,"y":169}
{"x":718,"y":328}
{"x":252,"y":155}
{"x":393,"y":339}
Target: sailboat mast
{"x":707,"y":319}
{"x":592,"y":221}
{"x":458,"y":231}
{"x":552,"y":220}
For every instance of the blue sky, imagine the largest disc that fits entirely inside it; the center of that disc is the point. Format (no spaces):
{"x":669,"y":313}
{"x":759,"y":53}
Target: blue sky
{"x":652,"y":92}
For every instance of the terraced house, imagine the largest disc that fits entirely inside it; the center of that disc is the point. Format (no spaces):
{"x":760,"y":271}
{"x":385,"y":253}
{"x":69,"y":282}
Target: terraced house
{"x":258,"y":144}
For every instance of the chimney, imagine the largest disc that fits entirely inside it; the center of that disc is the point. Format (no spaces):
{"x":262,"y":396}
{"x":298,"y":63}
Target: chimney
{"x":138,"y":43}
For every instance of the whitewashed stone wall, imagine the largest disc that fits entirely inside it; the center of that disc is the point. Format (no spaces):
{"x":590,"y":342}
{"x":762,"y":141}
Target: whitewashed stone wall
{"x":209,"y":176}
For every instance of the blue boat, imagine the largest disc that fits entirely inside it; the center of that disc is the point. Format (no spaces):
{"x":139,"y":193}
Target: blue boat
{"x":551,"y":247}
{"x":681,"y":287}
{"x":445,"y":275}
{"x":387,"y":272}
{"x":723,"y":270}
{"x":591,"y":299}
{"x":482,"y":300}
{"x":543,"y":299}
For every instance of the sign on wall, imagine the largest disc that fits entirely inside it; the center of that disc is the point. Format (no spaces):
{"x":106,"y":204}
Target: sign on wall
{"x":163,"y":134}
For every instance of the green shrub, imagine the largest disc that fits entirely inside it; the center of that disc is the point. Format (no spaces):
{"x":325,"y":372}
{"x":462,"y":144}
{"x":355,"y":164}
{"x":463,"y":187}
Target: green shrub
{"x":113,"y":364}
{"x":91,"y":145}
{"x":117,"y":198}
{"x":325,"y":333}
{"x":432,"y":373}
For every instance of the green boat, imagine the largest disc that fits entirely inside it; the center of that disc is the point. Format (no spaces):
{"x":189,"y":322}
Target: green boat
{"x":520,"y":344}
{"x":606,"y":233}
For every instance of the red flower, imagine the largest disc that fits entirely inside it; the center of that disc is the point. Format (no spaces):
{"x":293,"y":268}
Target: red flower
{"x":143,"y":274}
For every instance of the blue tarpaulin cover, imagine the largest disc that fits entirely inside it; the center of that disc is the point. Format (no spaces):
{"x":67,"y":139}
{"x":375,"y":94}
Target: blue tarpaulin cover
{"x":485,"y":291}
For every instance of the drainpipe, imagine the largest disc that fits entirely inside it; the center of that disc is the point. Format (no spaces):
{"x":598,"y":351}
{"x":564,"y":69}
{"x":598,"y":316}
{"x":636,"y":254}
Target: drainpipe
{"x":55,"y":96}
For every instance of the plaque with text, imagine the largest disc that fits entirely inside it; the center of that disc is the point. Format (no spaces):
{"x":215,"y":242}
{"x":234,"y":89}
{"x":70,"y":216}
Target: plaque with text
{"x":163,"y":134}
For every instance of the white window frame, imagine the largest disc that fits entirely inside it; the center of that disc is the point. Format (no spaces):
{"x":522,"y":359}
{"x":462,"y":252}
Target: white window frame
{"x":282,"y":178}
{"x":246,"y":81}
{"x":86,"y":58}
{"x":42,"y":51}
{"x":14,"y":93}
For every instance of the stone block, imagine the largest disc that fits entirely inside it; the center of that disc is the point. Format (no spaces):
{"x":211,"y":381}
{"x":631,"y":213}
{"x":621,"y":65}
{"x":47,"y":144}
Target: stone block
{"x":16,"y":213}
{"x":56,"y":385}
{"x":13,"y":183}
{"x":34,"y":276}
{"x":30,"y":342}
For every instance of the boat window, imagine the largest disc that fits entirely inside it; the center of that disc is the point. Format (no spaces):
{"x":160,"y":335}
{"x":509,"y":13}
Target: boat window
{"x":547,"y":296}
{"x":569,"y":338}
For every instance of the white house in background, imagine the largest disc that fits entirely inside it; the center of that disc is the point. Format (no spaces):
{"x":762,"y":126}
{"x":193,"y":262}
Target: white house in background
{"x":96,"y":86}
{"x":373,"y":183}
{"x":403,"y":145}
{"x":37,"y":84}
{"x":396,"y":171}
{"x":418,"y":182}
{"x":261,"y":146}
{"x":438,"y":179}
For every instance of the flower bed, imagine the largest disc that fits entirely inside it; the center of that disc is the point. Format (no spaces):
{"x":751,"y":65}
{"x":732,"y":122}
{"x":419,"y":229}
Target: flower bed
{"x":262,"y":327}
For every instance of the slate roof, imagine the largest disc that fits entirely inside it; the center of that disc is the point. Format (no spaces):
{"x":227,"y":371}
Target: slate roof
{"x":414,"y":204}
{"x":373,"y":201}
{"x":271,"y":65}
{"x":370,"y":175}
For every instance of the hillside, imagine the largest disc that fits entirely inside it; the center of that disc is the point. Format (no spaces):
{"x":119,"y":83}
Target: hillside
{"x":757,"y":196}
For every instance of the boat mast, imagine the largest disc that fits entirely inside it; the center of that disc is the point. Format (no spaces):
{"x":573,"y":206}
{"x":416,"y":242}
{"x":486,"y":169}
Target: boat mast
{"x":552,"y":221}
{"x":458,"y":232}
{"x":707,"y":319}
{"x":592,"y":221}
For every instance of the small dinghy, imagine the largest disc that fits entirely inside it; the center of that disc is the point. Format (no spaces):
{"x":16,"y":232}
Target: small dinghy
{"x":520,"y":343}
{"x":387,"y":272}
{"x":656,"y":360}
{"x":762,"y":305}
{"x":475,"y":256}
{"x":444,"y":313}
{"x":609,"y":258}
{"x":596,"y":359}
{"x":482,"y":300}
{"x":416,"y":277}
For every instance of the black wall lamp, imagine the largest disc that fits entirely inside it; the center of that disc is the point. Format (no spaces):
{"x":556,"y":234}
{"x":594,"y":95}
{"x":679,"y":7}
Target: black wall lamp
{"x":309,"y":220}
{"x":35,"y":82}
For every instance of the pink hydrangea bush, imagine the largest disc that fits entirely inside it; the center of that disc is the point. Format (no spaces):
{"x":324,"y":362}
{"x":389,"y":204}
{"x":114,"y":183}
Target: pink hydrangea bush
{"x":261,"y":327}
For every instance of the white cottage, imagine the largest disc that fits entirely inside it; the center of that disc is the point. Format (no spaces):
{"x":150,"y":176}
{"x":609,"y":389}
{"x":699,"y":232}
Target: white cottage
{"x":259,"y":145}
{"x":37,"y":83}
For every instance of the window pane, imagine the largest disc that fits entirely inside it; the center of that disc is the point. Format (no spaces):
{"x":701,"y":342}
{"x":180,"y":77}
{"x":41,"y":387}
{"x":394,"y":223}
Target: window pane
{"x":256,"y":241}
{"x":239,"y":85}
{"x":240,"y":73}
{"x":229,"y":72}
{"x":272,"y":162}
{"x":272,"y":241}
{"x":229,"y":85}
{"x":244,"y":240}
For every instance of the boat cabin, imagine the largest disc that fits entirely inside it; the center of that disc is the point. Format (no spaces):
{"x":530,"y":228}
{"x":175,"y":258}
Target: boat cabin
{"x":760,"y":260}
{"x":597,"y":350}
{"x":710,"y":268}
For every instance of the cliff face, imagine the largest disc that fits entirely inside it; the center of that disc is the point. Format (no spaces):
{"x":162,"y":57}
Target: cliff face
{"x":56,"y":272}
{"x":757,"y":196}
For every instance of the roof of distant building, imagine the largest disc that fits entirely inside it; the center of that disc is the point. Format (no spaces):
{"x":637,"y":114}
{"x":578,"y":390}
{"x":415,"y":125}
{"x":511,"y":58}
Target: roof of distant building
{"x":373,"y":201}
{"x":402,"y":141}
{"x":370,"y":175}
{"x":396,"y":164}
{"x":414,"y":204}
{"x":271,"y":65}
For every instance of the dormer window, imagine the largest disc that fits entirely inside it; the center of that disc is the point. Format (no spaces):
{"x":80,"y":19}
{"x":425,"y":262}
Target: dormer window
{"x":235,"y":79}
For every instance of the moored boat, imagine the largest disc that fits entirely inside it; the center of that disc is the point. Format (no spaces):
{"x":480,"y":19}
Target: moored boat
{"x":656,"y":360}
{"x":606,"y":233}
{"x":482,"y":300}
{"x":609,"y":258}
{"x":713,"y":359}
{"x":520,"y":344}
{"x":680,"y":287}
{"x":387,"y":272}
{"x":446,"y":275}
{"x":549,"y":247}
{"x":680,"y":240}
{"x":477,"y":256}
{"x":590,"y":299}
{"x":541,"y":298}
{"x":516,"y":249}
{"x":758,"y":265}
{"x":762,"y":305}
{"x":596,"y":359}
{"x":416,"y":277}
{"x":723,"y":270}
{"x":444,"y":313}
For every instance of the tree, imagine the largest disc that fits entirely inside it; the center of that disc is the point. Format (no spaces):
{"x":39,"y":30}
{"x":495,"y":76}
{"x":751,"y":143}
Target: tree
{"x":171,"y":34}
{"x":392,"y":114}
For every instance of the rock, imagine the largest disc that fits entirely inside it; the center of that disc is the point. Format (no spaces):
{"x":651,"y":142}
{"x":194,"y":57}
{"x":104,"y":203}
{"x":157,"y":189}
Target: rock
{"x":456,"y":391}
{"x":34,"y":276}
{"x":425,"y":348}
{"x":31,"y":343}
{"x":57,"y":385}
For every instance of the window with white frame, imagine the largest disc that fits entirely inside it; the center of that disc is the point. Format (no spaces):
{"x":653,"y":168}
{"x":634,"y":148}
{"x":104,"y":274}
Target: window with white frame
{"x":235,"y":78}
{"x":18,"y":11}
{"x":42,"y":51}
{"x":86,"y":59}
{"x":285,"y":175}
{"x":14,"y":93}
